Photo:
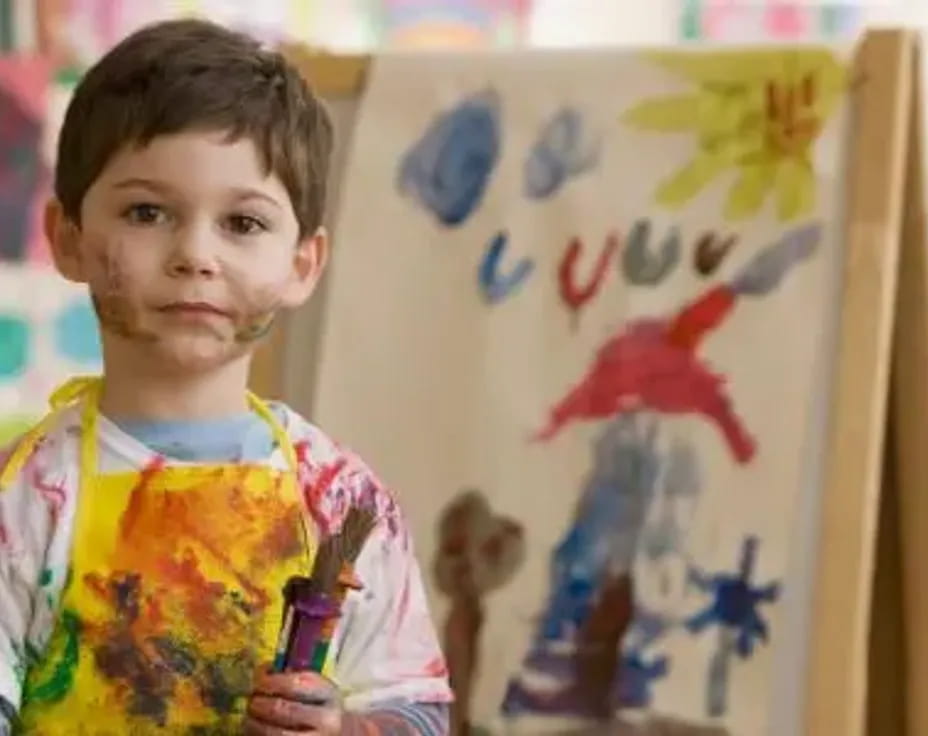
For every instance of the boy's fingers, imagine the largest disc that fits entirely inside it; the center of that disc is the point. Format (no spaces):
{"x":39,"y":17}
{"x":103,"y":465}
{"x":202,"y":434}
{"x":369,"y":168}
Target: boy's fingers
{"x":289,"y":714}
{"x":308,"y":688}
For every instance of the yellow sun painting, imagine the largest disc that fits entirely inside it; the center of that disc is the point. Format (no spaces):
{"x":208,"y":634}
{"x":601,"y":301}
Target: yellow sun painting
{"x":757,"y":112}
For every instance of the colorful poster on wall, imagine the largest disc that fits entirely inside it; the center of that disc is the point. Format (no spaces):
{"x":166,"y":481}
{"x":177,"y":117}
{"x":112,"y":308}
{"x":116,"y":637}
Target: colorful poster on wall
{"x":25,"y":175}
{"x":452,"y":23}
{"x":748,"y":21}
{"x":76,"y":32}
{"x":48,"y":331}
{"x":578,"y":305}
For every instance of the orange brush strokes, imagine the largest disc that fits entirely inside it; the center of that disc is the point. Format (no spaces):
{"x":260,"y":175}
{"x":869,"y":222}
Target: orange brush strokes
{"x":202,"y":552}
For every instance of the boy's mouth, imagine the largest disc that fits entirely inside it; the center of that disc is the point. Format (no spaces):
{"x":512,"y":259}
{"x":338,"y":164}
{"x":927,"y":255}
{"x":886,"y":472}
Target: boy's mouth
{"x":193,"y":308}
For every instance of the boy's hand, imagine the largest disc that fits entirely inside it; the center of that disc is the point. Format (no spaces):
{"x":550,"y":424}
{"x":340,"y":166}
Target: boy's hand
{"x":287,"y":703}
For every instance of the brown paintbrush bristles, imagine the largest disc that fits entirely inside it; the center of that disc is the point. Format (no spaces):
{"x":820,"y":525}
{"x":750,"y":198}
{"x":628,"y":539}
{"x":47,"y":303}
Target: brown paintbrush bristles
{"x":355,"y":530}
{"x":342,"y":548}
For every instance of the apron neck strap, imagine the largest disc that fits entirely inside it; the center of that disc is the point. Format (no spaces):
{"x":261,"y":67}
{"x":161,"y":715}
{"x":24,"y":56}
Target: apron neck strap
{"x":61,"y":397}
{"x":90,"y":391}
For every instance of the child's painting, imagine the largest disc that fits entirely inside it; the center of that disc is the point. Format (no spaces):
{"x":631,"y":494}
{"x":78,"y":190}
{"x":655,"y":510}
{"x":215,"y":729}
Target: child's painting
{"x":579,"y":312}
{"x":452,"y":23}
{"x":48,"y":330}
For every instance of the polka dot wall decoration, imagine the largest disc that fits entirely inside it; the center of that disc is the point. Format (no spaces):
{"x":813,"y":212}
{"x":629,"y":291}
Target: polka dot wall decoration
{"x":48,"y":333}
{"x":14,"y":346}
{"x":77,"y":337}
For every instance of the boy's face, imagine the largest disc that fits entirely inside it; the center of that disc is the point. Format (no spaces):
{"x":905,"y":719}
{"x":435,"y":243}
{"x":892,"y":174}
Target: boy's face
{"x":189,"y":250}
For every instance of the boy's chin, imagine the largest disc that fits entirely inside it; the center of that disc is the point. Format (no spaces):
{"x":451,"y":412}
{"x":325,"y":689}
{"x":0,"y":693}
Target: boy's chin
{"x":189,"y":355}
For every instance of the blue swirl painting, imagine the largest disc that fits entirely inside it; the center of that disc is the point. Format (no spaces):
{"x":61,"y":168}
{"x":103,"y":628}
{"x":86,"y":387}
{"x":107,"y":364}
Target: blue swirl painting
{"x":565,"y":148}
{"x":448,"y":169}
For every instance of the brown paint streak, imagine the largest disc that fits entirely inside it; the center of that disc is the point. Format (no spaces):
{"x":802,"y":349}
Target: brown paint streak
{"x":255,"y":309}
{"x":711,"y":250}
{"x":117,"y":311}
{"x":600,"y":637}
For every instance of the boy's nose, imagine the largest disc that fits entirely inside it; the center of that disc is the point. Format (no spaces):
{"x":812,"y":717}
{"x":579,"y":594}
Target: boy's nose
{"x":192,"y":254}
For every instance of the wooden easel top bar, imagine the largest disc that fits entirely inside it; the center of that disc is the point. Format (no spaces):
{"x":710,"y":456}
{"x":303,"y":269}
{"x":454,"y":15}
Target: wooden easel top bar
{"x":331,"y":75}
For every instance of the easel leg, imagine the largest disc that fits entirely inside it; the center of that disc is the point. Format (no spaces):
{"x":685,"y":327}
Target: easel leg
{"x":886,"y":671}
{"x":910,"y":421}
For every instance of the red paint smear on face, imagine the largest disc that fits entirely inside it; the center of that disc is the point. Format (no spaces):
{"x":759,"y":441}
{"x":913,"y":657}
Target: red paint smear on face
{"x":4,"y":536}
{"x":652,"y":365}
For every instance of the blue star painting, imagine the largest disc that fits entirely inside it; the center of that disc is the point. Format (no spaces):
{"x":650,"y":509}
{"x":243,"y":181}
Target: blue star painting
{"x":734,"y":610}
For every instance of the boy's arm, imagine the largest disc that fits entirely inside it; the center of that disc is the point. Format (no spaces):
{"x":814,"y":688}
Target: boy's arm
{"x":25,"y":526}
{"x":7,"y":716}
{"x":411,"y":719}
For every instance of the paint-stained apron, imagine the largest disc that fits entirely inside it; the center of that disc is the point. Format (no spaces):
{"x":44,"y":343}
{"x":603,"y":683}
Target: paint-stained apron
{"x":174,"y":593}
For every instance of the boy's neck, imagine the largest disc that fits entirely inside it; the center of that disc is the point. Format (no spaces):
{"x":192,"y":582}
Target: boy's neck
{"x":135,"y":394}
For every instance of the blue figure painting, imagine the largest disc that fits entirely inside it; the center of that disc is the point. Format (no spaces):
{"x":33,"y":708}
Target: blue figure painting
{"x":591,"y":604}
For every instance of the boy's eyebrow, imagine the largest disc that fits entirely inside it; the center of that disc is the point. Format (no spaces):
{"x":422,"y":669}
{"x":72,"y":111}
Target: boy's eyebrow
{"x":155,"y":186}
{"x":240,"y":194}
{"x":246,"y":193}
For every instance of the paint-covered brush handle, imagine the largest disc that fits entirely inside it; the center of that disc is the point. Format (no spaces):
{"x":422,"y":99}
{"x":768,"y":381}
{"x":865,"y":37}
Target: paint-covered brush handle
{"x":309,"y":617}
{"x":347,"y":580}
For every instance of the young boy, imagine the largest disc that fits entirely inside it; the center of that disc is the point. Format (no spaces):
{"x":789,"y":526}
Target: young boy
{"x":148,"y":524}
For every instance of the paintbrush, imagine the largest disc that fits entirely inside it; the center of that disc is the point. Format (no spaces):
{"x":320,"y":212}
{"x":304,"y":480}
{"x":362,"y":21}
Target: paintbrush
{"x":312,"y":606}
{"x":355,"y":530}
{"x":309,"y":604}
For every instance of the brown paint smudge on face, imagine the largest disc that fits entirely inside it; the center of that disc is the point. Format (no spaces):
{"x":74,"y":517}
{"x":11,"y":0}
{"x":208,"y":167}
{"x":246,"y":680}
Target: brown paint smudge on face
{"x":115,"y":309}
{"x":255,"y":308}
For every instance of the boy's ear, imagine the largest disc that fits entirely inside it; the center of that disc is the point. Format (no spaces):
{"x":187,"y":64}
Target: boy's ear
{"x":64,"y":237}
{"x":309,"y":260}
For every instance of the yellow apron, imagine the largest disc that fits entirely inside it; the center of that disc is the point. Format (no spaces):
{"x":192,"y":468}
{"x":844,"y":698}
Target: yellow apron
{"x":174,"y":592}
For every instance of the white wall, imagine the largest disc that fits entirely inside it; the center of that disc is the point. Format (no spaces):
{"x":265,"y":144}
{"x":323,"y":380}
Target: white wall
{"x":603,"y":22}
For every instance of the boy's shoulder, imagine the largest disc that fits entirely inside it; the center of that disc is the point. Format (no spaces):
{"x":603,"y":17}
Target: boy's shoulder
{"x":38,"y":482}
{"x":47,"y":446}
{"x":333,"y":477}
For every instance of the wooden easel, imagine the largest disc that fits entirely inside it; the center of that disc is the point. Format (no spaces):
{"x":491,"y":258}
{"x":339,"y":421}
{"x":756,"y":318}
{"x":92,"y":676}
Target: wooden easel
{"x":864,"y":671}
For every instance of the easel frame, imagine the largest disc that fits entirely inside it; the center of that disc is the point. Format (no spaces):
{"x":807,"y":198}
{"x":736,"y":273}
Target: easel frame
{"x":883,"y":342}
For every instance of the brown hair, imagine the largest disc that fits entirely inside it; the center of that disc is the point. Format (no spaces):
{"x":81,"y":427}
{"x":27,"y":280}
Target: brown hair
{"x":184,"y":75}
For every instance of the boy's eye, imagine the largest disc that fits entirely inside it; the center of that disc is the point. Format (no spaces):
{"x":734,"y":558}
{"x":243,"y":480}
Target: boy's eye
{"x":245,"y":225}
{"x":145,"y":213}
